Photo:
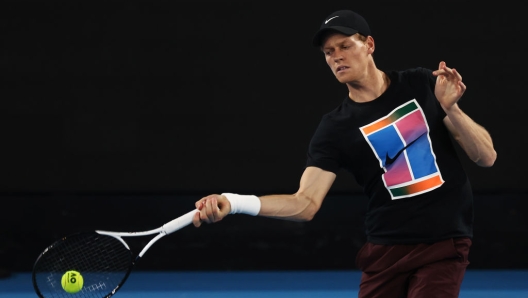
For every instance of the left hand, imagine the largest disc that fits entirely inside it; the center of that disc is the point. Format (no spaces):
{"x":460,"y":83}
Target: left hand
{"x":449,"y":87}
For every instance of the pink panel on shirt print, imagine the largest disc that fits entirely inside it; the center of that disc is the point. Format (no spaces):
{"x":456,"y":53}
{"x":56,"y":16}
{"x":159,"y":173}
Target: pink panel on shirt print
{"x":398,"y":172}
{"x":412,"y":126}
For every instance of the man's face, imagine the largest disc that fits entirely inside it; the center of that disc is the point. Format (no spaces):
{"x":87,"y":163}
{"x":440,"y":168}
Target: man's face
{"x":346,"y":56}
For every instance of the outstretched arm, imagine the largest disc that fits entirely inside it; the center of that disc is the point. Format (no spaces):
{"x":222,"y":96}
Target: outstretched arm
{"x":472,"y":137}
{"x":300,"y":206}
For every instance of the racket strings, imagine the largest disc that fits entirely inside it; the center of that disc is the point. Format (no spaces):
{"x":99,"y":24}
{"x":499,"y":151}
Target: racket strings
{"x":102,"y":260}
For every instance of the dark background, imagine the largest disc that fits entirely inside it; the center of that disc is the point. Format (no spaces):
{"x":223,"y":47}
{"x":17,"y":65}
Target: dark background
{"x":119,"y":115}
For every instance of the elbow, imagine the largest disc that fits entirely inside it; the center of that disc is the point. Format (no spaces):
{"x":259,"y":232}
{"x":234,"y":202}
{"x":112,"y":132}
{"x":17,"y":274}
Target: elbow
{"x":488,"y":161}
{"x":308,"y":216}
{"x":310,"y":208}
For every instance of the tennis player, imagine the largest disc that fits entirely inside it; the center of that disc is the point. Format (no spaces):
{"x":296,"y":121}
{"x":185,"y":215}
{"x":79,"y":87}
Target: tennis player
{"x":393,"y":133}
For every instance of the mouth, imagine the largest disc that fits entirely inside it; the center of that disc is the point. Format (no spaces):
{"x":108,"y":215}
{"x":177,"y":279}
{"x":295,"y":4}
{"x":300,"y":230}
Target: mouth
{"x":341,"y":68}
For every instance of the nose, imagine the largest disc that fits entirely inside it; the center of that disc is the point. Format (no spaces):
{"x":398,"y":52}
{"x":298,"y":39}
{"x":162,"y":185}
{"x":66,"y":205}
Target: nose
{"x":337,"y":56}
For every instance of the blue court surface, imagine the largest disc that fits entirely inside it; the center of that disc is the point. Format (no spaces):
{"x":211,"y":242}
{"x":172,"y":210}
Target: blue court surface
{"x":306,"y":284}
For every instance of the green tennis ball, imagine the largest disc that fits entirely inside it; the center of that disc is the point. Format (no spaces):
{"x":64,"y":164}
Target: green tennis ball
{"x":72,"y":281}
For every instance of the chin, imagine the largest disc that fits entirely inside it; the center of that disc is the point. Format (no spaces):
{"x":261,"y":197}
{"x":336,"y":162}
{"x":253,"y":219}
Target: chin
{"x":342,"y":80}
{"x":342,"y":77}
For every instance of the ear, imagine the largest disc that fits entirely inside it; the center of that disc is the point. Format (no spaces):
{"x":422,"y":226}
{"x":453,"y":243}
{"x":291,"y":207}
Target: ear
{"x":370,"y":44}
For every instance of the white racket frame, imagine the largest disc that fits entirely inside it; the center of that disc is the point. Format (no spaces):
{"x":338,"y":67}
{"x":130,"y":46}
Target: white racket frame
{"x":166,"y":229}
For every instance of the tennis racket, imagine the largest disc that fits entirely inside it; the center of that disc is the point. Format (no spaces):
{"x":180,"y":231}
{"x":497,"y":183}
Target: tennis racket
{"x":103,"y":259}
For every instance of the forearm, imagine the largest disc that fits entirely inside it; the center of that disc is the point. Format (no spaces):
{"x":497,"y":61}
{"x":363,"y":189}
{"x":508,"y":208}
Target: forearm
{"x":288,"y":207}
{"x":300,"y":206}
{"x":472,"y":137}
{"x":295,"y":207}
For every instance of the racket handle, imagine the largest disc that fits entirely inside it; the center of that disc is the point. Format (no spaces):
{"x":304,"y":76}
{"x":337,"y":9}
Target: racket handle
{"x":178,"y":223}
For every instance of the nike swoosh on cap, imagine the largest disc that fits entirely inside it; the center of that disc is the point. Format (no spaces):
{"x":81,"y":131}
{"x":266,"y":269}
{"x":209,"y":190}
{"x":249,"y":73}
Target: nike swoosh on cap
{"x":326,"y":22}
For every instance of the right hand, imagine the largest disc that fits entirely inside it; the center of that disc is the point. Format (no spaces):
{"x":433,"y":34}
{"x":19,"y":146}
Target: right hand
{"x":213,"y":208}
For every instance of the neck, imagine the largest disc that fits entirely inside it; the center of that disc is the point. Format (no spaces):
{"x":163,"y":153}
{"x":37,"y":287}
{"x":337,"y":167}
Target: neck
{"x":370,"y":88}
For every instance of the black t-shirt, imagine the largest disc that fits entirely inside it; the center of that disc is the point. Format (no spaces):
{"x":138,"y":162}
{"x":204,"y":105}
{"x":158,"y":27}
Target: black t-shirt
{"x":400,"y":152}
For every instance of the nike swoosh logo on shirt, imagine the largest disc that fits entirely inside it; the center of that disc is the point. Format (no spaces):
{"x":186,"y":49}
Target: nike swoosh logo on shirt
{"x":326,"y":22}
{"x":389,"y":160}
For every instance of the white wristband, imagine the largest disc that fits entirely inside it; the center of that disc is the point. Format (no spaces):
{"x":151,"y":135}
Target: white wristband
{"x":246,"y":204}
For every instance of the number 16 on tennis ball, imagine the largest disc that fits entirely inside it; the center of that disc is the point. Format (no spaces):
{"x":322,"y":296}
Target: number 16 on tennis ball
{"x":72,"y":281}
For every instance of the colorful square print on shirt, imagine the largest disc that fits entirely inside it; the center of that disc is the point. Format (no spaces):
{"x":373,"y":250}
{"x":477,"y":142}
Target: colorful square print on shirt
{"x":402,"y":145}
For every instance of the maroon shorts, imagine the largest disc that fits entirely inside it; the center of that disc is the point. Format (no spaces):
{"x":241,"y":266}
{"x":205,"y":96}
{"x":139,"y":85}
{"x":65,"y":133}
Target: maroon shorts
{"x":413,"y":271}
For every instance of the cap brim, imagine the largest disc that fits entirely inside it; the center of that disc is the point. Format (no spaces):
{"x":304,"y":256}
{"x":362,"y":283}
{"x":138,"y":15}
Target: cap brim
{"x":318,"y":37}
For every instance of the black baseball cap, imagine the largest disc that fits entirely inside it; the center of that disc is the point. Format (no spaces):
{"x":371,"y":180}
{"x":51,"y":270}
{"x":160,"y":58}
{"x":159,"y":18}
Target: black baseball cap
{"x":342,"y":21}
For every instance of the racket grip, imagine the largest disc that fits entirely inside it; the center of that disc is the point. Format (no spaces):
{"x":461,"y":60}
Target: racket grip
{"x":180,"y":222}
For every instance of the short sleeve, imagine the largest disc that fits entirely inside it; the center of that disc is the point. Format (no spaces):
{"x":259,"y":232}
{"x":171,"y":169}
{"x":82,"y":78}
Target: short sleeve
{"x":323,"y":150}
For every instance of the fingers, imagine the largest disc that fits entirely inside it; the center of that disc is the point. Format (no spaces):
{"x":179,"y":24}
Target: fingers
{"x":442,"y":69}
{"x":449,"y":73}
{"x":462,"y":86}
{"x":457,"y":74}
{"x":197,"y":222}
{"x":209,"y":211}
